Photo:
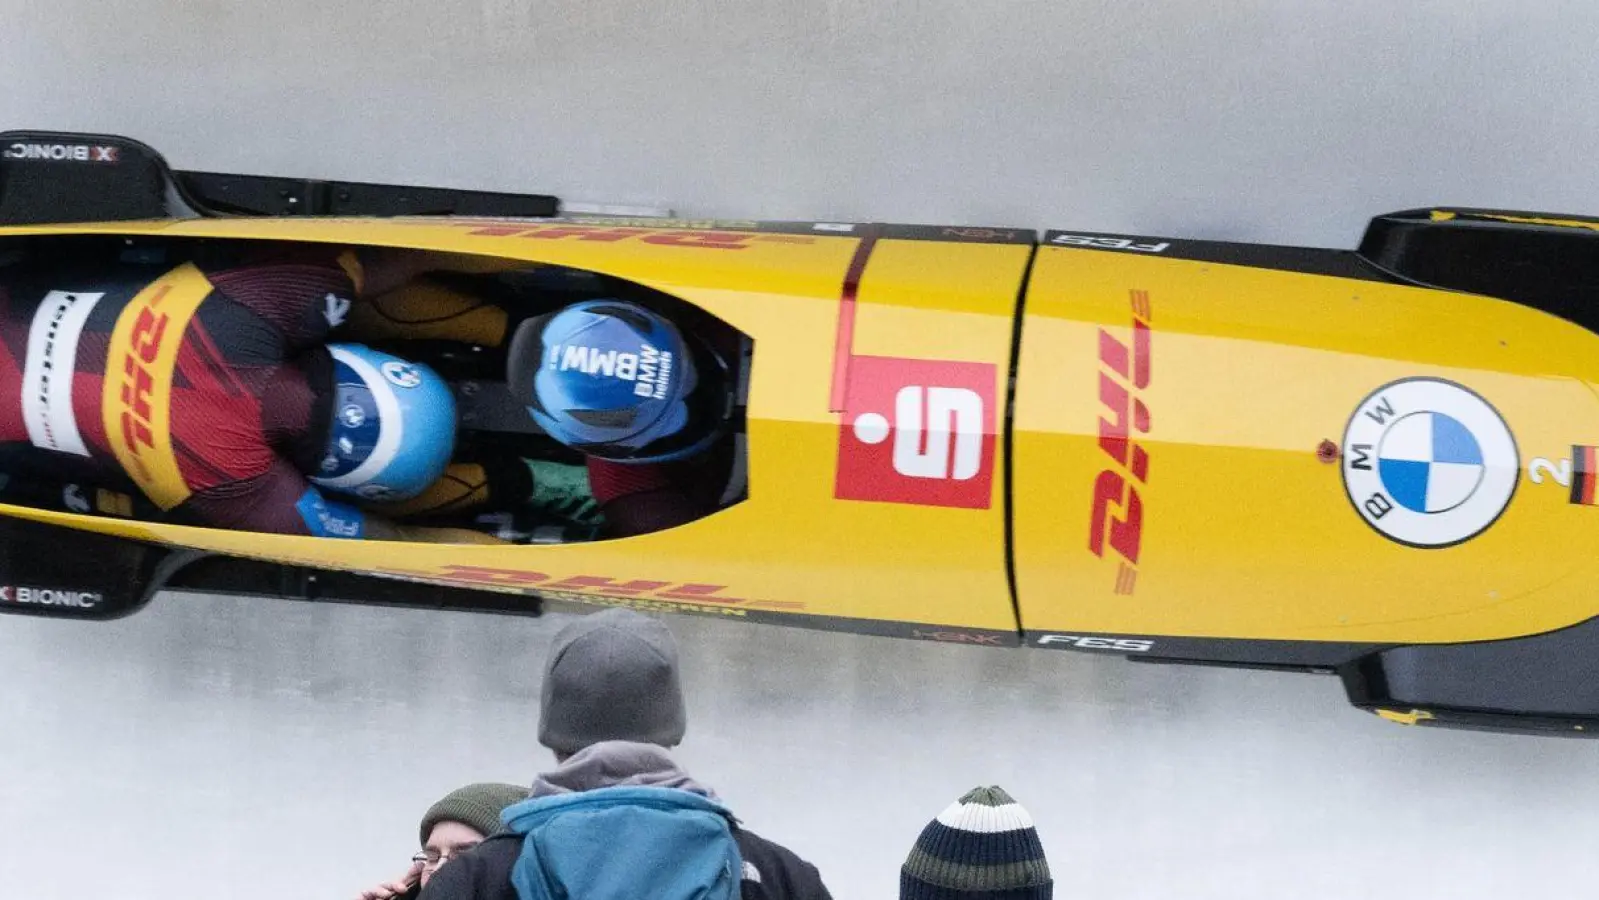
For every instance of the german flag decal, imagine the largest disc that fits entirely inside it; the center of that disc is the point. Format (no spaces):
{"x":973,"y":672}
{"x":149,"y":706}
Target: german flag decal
{"x":1585,"y":471}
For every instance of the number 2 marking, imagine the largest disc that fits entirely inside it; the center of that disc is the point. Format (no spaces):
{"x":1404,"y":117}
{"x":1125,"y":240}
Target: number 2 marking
{"x":1541,"y":467}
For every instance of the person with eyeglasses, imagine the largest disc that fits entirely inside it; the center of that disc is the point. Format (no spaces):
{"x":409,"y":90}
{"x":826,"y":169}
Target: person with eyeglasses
{"x":451,"y":827}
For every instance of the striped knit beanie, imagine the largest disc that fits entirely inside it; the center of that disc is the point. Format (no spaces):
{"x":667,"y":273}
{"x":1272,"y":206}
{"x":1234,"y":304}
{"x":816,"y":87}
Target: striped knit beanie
{"x":983,"y":845}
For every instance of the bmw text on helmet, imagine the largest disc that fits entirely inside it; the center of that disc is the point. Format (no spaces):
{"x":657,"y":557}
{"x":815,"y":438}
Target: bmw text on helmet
{"x":650,"y":369}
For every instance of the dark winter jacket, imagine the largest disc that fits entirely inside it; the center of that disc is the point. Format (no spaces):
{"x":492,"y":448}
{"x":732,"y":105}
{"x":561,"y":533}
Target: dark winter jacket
{"x":771,"y":872}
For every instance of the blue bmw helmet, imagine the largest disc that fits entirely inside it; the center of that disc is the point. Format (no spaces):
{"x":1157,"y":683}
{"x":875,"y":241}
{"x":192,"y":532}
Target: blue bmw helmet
{"x":393,"y":426}
{"x":615,"y":380}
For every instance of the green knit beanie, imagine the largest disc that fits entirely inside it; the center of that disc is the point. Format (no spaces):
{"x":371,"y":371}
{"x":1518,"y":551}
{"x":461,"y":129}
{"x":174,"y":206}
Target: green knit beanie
{"x":477,"y":806}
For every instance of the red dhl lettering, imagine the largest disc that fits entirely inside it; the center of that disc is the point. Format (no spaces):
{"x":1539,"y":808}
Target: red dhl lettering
{"x":137,"y":430}
{"x":1124,"y":373}
{"x":599,"y":585}
{"x":709,"y":239}
{"x":582,"y":582}
{"x":715,"y":240}
{"x":492,"y":576}
{"x":555,"y":232}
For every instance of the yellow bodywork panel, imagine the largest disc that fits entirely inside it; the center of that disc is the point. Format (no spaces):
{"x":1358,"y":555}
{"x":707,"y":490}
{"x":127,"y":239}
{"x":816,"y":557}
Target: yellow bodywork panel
{"x":794,"y":546}
{"x":1184,"y":432}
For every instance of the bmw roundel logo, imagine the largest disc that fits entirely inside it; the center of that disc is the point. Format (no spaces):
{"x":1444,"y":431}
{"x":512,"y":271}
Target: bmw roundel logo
{"x":1429,"y":463}
{"x":401,"y":374}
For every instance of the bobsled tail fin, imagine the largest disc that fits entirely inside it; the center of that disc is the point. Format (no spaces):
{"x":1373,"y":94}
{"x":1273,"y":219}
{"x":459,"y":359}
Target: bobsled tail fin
{"x":1542,"y":260}
{"x":46,"y":571}
{"x":62,"y":177}
{"x":59,"y":177}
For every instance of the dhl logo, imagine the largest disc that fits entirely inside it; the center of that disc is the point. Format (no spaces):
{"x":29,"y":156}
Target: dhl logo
{"x":136,"y":402}
{"x":136,"y":431}
{"x":594,"y":585}
{"x":652,"y":223}
{"x":1124,"y":374}
{"x":666,"y":237}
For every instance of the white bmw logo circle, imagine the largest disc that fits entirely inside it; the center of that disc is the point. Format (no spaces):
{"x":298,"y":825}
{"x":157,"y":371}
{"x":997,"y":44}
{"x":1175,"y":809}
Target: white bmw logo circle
{"x":402,"y":374}
{"x":1429,"y":463}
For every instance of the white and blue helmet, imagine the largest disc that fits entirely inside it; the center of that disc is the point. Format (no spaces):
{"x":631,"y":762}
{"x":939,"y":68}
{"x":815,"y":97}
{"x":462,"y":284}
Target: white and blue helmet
{"x":393,"y":427}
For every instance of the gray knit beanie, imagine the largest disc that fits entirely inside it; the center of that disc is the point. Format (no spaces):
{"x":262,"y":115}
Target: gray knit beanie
{"x":477,"y":806}
{"x":611,"y":676}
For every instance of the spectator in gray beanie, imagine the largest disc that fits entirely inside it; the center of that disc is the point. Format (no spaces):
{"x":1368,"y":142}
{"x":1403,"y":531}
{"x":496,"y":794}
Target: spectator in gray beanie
{"x":981,"y":847}
{"x":612,"y":704}
{"x":459,"y":821}
{"x":611,"y":676}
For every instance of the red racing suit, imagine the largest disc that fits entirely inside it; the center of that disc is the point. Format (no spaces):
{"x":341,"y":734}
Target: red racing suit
{"x":204,"y":385}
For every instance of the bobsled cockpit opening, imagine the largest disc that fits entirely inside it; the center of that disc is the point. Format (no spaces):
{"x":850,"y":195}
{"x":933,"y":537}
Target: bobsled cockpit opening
{"x":588,"y":407}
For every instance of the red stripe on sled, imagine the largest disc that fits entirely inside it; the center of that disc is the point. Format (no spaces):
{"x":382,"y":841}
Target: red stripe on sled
{"x":844,"y":338}
{"x":1588,"y":475}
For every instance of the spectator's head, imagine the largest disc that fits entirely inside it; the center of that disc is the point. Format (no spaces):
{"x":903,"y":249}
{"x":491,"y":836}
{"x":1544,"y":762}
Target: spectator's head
{"x":459,"y":821}
{"x":982,"y":846}
{"x":611,"y":676}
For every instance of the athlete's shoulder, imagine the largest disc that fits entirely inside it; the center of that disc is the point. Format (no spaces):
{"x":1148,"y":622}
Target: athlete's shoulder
{"x":303,"y":292}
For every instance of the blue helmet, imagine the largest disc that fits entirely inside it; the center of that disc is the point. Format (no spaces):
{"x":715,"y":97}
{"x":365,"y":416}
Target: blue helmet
{"x":393,"y":426}
{"x":615,"y":380}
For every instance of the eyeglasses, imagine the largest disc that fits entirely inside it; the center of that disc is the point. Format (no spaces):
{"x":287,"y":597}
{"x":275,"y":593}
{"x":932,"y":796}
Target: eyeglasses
{"x":432,"y":859}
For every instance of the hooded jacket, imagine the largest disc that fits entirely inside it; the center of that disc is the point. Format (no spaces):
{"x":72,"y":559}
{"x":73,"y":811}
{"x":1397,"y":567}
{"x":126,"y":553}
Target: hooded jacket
{"x":771,"y":872}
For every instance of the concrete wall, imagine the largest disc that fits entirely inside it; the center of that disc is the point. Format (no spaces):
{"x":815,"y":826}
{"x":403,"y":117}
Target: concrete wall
{"x":1269,"y":119}
{"x":236,"y":749}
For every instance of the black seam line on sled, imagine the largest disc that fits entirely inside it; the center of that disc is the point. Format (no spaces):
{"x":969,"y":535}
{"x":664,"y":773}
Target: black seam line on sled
{"x":844,"y":333}
{"x":1008,"y":440}
{"x":1411,"y":280}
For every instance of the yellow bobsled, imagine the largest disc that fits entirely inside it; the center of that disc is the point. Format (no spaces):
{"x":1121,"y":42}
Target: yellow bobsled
{"x":1377,"y":463}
